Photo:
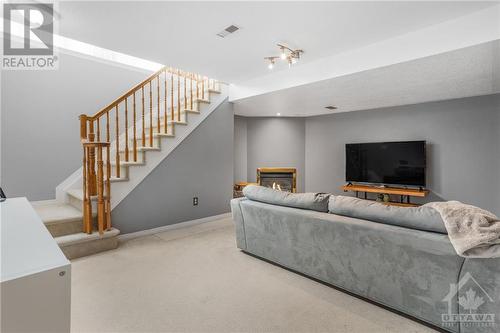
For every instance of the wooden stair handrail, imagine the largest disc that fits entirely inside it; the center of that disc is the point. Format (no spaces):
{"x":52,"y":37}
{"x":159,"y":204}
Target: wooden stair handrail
{"x":125,"y":95}
{"x":138,"y":87}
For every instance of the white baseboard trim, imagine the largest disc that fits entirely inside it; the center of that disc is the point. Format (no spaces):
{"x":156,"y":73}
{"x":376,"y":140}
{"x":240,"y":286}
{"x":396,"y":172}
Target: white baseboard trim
{"x":132,"y":235}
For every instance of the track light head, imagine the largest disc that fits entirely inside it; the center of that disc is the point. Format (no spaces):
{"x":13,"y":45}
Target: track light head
{"x":283,"y":53}
{"x":271,"y":60}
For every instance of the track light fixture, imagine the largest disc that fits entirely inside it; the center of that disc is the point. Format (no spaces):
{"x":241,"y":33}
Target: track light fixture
{"x":283,"y":52}
{"x":289,"y":55}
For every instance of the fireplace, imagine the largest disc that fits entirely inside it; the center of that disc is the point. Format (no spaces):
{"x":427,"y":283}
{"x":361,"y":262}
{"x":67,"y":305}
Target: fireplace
{"x":282,"y":179}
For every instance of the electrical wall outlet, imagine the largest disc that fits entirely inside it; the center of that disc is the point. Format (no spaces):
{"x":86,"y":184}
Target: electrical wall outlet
{"x":195,"y":201}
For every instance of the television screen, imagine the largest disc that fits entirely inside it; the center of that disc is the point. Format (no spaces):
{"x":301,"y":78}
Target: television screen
{"x":398,"y":163}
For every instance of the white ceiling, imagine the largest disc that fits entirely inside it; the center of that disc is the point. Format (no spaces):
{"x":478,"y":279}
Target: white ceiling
{"x":466,"y":72}
{"x":184,"y":34}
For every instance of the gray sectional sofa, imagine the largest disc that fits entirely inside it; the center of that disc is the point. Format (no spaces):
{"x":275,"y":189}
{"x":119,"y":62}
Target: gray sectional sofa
{"x":416,"y":272}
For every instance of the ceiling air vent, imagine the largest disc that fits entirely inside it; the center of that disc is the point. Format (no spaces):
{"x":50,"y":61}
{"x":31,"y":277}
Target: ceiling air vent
{"x":229,"y":30}
{"x":330,"y":107}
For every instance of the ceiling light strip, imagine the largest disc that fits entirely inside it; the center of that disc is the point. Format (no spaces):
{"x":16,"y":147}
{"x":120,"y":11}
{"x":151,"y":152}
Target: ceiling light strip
{"x":73,"y":45}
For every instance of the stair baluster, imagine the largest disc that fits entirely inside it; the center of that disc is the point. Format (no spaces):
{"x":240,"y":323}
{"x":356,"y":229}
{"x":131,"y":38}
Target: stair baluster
{"x":165,"y":117}
{"x":150,"y":114}
{"x":178,"y":96}
{"x":197,"y":86}
{"x":117,"y":140}
{"x":171,"y":95}
{"x":134,"y":128}
{"x":101,"y":216}
{"x":203,"y":88}
{"x":191,"y":91}
{"x":126,"y":129}
{"x":108,"y":174}
{"x":143,"y":142}
{"x":185,"y":92}
{"x":158,"y":103}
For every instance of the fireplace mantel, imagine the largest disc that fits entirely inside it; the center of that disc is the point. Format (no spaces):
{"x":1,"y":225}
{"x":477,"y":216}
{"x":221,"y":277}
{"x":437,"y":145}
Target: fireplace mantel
{"x":265,"y":175}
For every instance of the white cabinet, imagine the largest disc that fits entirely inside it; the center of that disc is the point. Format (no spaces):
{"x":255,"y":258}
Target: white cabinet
{"x":35,"y":275}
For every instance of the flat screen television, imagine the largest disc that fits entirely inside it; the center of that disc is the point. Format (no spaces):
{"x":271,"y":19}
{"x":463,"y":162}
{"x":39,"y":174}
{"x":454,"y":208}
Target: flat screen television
{"x":388,"y":163}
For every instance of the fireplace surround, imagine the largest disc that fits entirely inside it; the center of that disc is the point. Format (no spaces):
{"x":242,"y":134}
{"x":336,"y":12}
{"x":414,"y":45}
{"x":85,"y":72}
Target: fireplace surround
{"x":283,"y":179}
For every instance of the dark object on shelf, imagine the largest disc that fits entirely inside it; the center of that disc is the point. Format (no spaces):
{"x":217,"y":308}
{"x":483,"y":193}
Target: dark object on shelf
{"x":238,"y":189}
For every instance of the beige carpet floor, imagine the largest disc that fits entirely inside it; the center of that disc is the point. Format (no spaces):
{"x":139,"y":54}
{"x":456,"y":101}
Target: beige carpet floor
{"x":195,"y":280}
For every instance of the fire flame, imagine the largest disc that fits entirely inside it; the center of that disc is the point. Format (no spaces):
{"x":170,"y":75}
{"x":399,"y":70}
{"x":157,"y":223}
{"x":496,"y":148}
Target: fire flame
{"x":276,"y":186}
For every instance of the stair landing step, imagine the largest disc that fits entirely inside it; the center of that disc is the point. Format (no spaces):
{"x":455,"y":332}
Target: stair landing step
{"x":82,"y":237}
{"x":52,"y":212}
{"x":81,"y":244}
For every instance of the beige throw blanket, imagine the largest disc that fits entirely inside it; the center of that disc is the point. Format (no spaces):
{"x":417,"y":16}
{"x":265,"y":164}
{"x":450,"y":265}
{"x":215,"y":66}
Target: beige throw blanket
{"x":473,"y":232}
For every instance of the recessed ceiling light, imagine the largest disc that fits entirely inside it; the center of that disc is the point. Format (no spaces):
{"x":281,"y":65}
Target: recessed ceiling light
{"x":330,"y":107}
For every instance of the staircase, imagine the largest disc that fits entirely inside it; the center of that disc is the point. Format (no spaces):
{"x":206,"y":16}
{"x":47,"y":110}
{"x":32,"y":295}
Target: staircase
{"x":122,"y":144}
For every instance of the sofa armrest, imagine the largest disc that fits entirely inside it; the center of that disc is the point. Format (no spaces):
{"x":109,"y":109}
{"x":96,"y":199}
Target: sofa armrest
{"x":482,"y":276}
{"x":239,"y":223}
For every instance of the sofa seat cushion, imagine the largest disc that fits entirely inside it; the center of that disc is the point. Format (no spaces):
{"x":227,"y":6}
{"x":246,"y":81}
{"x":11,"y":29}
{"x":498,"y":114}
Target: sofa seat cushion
{"x":311,"y":201}
{"x":419,"y":218}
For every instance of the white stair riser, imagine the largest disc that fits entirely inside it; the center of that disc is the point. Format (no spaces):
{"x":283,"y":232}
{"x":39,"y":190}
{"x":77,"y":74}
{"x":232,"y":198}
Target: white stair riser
{"x":74,"y":251}
{"x":75,"y":202}
{"x":156,"y":142}
{"x":78,"y":204}
{"x":124,"y":171}
{"x":170,"y":128}
{"x":65,"y":228}
{"x":140,"y":156}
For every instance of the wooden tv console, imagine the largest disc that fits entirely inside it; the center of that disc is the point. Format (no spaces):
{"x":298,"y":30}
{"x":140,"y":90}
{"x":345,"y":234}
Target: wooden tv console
{"x":405,"y":193}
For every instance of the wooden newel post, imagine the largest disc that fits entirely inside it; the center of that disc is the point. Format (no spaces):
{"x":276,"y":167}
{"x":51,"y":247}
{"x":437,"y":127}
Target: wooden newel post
{"x":87,"y":205}
{"x":86,"y":179}
{"x":83,"y":127}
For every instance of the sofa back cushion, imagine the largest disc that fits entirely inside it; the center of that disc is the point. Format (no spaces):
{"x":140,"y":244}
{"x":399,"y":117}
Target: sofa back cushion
{"x":419,"y":218}
{"x":311,"y":201}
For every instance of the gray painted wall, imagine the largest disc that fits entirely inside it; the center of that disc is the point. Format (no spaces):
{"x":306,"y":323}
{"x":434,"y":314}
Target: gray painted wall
{"x":40,"y":143}
{"x":276,"y":142}
{"x":202,"y":166}
{"x":240,"y":149}
{"x":463,"y":138}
